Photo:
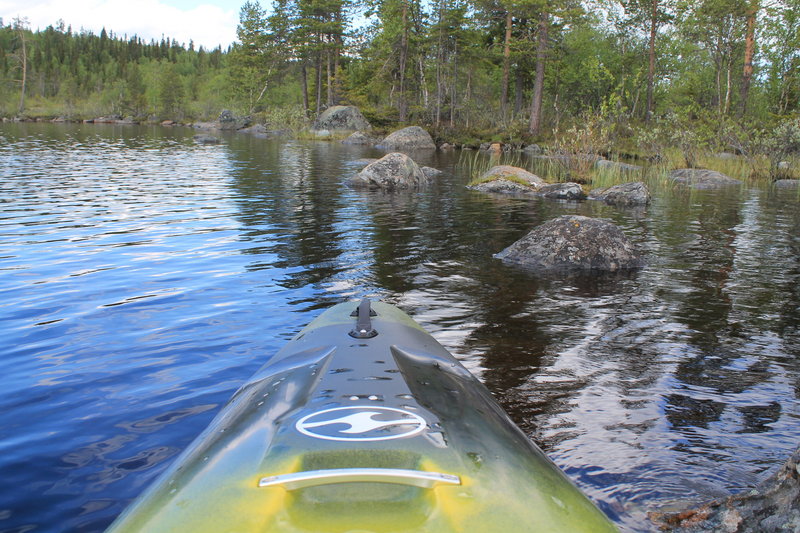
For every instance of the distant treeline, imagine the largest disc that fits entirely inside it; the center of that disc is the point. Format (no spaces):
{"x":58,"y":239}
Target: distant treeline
{"x":524,"y":68}
{"x":80,"y":74}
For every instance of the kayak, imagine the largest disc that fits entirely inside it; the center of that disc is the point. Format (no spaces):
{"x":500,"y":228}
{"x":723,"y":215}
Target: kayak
{"x":362,"y":423}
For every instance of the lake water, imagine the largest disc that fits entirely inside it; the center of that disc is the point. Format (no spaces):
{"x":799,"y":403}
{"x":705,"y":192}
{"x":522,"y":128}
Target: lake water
{"x":144,"y":277}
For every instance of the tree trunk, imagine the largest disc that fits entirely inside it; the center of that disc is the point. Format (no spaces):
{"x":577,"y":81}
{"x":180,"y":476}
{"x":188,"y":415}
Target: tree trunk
{"x":651,"y":71}
{"x":749,"y":50}
{"x":318,"y":107}
{"x":402,"y":105}
{"x":439,"y":63}
{"x":328,"y":66}
{"x":506,"y":64}
{"x":453,"y":87}
{"x":304,"y":76}
{"x":538,"y":82}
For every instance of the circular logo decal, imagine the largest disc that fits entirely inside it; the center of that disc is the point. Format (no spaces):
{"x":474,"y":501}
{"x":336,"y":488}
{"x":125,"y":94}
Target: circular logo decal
{"x":361,"y":424}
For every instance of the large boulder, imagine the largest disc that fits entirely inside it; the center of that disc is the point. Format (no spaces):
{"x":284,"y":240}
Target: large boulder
{"x":341,"y":118}
{"x":562,"y":191}
{"x":228,"y":121}
{"x":772,"y":507}
{"x":625,"y":194}
{"x":392,"y":172}
{"x":574,"y":243}
{"x":699,"y":178}
{"x":410,"y":138}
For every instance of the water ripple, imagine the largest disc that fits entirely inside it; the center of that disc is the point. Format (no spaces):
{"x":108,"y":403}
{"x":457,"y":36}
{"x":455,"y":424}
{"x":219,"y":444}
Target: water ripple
{"x":144,"y":277}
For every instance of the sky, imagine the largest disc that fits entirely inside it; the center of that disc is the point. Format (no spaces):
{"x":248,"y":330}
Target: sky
{"x":206,"y":22}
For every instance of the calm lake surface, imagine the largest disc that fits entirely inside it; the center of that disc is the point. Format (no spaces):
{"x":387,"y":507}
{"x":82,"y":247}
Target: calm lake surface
{"x":143,"y":278}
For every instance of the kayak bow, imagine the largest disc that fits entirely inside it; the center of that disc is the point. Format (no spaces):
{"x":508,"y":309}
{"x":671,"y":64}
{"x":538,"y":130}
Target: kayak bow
{"x":362,"y":422}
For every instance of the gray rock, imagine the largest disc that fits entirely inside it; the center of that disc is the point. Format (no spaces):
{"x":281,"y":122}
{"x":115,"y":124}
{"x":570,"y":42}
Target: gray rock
{"x":202,"y":138}
{"x":410,"y":138}
{"x":772,"y":507}
{"x":259,"y":130}
{"x":228,"y":121}
{"x":561,"y":191}
{"x":574,"y":243}
{"x":431,"y":172}
{"x":533,"y":149}
{"x":625,"y":194}
{"x":392,"y":172}
{"x":109,"y":119}
{"x":615,"y":166}
{"x":510,"y":173}
{"x":359,"y":138}
{"x":341,"y":118}
{"x":726,"y":155}
{"x":787,"y":184}
{"x":446,"y":146}
{"x":783,"y":165}
{"x":206,"y":125}
{"x":698,"y":178}
{"x":503,"y":186}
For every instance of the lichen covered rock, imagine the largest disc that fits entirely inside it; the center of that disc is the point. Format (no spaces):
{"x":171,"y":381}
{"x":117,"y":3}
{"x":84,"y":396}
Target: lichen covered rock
{"x":630,"y":194}
{"x":410,"y":138}
{"x":699,"y":178}
{"x":341,"y":118}
{"x":574,"y":243}
{"x":392,"y":172}
{"x":510,"y":173}
{"x":562,"y":191}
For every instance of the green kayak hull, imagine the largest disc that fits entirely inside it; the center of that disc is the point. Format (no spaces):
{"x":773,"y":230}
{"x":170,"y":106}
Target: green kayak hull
{"x":362,"y":423}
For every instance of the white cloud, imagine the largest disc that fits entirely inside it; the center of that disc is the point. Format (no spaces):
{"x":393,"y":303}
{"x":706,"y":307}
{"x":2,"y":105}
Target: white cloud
{"x":205,"y":24}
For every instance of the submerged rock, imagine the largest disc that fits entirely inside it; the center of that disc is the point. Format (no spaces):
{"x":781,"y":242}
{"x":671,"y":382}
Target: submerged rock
{"x":393,"y":171}
{"x":771,"y":508}
{"x":431,"y":172}
{"x":410,"y":138}
{"x":561,"y":191}
{"x":700,"y":178}
{"x":574,"y":243}
{"x":625,"y":195}
{"x":341,"y":118}
{"x":206,"y":139}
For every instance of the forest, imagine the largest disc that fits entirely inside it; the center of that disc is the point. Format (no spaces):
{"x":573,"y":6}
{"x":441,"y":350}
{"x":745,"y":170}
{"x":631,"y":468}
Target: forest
{"x":614,"y":71}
